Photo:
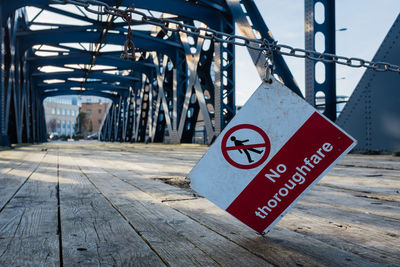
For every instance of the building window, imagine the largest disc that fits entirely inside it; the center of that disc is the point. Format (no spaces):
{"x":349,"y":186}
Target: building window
{"x":58,"y":111}
{"x":53,"y":111}
{"x":72,"y":113}
{"x":89,"y":111}
{"x":100,"y":111}
{"x":99,"y":121}
{"x":68,"y":112}
{"x":63,"y":112}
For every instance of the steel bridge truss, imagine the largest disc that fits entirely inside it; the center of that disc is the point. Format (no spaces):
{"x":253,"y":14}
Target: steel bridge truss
{"x":176,"y":84}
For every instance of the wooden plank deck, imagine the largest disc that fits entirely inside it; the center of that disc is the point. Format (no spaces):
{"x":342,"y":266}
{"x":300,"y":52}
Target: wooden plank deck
{"x":89,"y":203}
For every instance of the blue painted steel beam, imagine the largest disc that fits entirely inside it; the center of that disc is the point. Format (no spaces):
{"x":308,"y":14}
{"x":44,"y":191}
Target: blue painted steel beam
{"x":328,"y":78}
{"x":77,"y":35}
{"x":87,"y":85}
{"x":118,"y":92}
{"x":82,"y":58}
{"x":189,"y":9}
{"x":70,"y":14}
{"x":328,"y":28}
{"x":215,"y":4}
{"x":4,"y":140}
{"x":113,"y":97}
{"x":184,"y":8}
{"x":211,"y":12}
{"x":126,"y":80}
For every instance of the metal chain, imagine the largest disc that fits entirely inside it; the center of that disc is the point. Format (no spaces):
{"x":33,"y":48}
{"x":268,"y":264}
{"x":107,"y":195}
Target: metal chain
{"x":129,"y":46}
{"x":222,"y":37}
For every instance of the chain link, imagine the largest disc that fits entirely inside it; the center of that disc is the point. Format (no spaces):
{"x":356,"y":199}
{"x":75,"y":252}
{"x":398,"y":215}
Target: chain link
{"x":257,"y":44}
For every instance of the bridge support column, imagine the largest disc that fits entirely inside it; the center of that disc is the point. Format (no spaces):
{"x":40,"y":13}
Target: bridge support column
{"x":319,"y":81}
{"x":4,"y":141}
{"x":224,"y":69}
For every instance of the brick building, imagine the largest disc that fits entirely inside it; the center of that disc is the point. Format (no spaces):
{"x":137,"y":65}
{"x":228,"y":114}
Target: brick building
{"x":95,"y":113}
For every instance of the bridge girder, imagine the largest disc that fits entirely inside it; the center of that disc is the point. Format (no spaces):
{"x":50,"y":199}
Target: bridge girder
{"x":89,"y":85}
{"x":208,"y":11}
{"x":77,"y":35}
{"x":114,"y":97}
{"x":169,"y":89}
{"x":40,"y":77}
{"x":86,"y":59}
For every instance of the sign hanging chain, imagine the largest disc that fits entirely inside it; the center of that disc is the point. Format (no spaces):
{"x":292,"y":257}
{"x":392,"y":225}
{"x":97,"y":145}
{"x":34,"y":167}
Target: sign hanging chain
{"x":222,"y":37}
{"x":129,"y":47}
{"x":269,"y":63}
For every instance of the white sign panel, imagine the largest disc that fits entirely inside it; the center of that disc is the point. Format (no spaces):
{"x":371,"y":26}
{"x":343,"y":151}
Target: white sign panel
{"x":275,"y":149}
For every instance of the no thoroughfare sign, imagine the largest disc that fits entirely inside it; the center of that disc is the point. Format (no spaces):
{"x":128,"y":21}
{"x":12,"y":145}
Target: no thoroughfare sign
{"x":238,"y":140}
{"x":272,"y":152}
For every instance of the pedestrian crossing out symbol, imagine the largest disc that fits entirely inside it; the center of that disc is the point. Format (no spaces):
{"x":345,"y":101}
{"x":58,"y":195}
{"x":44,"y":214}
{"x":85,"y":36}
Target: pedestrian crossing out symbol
{"x":245,"y":146}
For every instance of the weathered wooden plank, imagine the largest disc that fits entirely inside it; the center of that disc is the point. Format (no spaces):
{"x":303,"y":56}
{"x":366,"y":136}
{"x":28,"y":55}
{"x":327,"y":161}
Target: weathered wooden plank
{"x":11,"y":159}
{"x":157,"y":194}
{"x":371,"y":209}
{"x":376,"y":161}
{"x":11,"y":181}
{"x":281,"y":246}
{"x":273,"y":252}
{"x":389,"y":186}
{"x":356,"y":172}
{"x":180,"y":240}
{"x":172,"y":246}
{"x":126,"y":171}
{"x":29,"y":224}
{"x":361,"y":202}
{"x":363,"y":220}
{"x":368,"y":241}
{"x":155,"y":158}
{"x":150,"y":167}
{"x":93,"y":232}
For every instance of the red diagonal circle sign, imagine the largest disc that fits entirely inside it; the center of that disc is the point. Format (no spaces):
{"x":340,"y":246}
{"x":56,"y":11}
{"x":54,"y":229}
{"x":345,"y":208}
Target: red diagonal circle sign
{"x":242,"y":147}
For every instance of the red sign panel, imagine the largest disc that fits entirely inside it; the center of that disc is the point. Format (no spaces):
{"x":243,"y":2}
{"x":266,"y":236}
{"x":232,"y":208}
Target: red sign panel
{"x":295,"y":167}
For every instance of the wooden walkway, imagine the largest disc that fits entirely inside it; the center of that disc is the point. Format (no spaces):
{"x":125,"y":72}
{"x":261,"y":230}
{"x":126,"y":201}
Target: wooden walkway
{"x":128,"y":205}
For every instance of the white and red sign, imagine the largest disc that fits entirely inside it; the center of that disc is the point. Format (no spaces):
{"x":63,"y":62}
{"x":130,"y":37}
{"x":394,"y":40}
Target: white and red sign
{"x":273,"y":151}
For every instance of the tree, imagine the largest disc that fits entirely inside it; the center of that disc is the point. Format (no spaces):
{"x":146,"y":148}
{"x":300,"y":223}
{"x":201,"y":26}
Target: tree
{"x":52,"y":125}
{"x":90,"y":129}
{"x":82,"y":125}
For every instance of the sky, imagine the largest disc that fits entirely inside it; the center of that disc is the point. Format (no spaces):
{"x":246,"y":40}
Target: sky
{"x":367,"y":23}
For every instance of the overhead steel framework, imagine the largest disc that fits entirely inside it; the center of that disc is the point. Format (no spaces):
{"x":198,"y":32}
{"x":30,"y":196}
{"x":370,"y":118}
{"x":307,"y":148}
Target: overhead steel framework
{"x":175,"y":83}
{"x":176,"y":75}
